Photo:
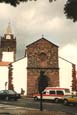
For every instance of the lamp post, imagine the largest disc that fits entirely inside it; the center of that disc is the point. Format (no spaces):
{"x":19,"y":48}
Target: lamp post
{"x":6,"y":85}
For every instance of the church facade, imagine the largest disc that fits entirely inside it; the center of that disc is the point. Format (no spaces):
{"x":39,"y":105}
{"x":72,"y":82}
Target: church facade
{"x":42,"y":55}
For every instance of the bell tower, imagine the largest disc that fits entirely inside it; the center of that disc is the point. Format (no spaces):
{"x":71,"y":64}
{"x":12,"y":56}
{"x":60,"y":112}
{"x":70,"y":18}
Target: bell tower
{"x":8,"y":46}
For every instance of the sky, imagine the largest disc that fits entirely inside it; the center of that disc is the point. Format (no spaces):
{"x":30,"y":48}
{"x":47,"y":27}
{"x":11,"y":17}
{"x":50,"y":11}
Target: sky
{"x":31,"y":20}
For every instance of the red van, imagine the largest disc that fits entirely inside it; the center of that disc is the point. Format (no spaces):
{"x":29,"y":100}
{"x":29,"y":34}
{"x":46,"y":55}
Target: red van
{"x":53,"y":93}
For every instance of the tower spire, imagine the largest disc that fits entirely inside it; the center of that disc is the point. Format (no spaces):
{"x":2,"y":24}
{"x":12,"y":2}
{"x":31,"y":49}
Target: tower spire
{"x":8,"y":30}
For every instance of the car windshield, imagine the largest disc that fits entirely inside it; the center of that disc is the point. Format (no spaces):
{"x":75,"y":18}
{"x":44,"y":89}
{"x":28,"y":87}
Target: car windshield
{"x":1,"y":91}
{"x":7,"y":91}
{"x":11,"y":92}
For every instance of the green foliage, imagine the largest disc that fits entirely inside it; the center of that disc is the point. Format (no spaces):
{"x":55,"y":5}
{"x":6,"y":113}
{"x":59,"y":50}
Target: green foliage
{"x":10,"y":69}
{"x":12,"y":2}
{"x":51,"y":0}
{"x":70,"y":10}
{"x":42,"y":81}
{"x":16,"y":2}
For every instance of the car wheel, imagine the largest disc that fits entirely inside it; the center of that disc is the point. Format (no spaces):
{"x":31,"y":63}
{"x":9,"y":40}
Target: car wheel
{"x":65,"y":102}
{"x":7,"y":98}
{"x":35,"y":98}
{"x":56,"y":100}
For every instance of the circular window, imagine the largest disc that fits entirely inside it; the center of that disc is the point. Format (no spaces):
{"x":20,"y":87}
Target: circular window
{"x":42,"y":56}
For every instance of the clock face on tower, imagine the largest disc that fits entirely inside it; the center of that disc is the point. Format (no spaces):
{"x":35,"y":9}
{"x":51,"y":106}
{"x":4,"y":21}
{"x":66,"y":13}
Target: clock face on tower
{"x":8,"y":37}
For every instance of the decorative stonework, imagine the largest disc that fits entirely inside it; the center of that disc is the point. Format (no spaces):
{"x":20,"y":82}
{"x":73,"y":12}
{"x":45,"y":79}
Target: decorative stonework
{"x":42,"y":55}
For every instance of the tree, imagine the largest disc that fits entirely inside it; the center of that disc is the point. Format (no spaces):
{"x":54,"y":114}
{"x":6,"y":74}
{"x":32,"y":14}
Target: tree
{"x":74,"y":80}
{"x":16,"y":2}
{"x":70,"y":8}
{"x":42,"y":84}
{"x":10,"y":78}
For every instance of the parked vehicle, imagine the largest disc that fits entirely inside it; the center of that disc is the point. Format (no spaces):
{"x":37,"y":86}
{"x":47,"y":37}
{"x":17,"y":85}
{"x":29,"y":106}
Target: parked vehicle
{"x":9,"y":95}
{"x":51,"y":93}
{"x":72,"y":99}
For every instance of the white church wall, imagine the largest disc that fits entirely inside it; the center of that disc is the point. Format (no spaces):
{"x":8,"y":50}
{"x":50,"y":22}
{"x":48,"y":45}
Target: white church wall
{"x":8,"y":56}
{"x":65,"y":73}
{"x":3,"y":77}
{"x":20,"y":75}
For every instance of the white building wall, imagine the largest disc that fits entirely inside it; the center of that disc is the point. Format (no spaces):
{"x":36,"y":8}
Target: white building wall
{"x":3,"y":77}
{"x":20,"y":75}
{"x":8,"y":56}
{"x":65,"y":73}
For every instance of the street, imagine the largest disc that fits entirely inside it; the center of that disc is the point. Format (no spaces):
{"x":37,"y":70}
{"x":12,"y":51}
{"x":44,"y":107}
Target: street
{"x":47,"y":106}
